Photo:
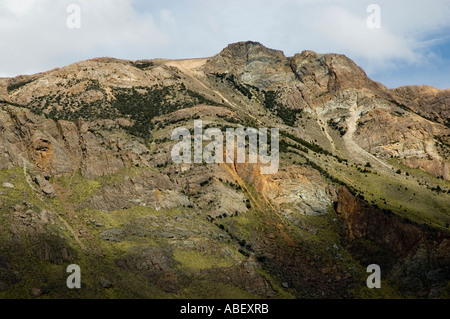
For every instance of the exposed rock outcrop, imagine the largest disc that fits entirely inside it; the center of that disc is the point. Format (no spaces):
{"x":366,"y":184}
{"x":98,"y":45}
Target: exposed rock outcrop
{"x":422,"y":256}
{"x":366,"y":221}
{"x":426,"y":101}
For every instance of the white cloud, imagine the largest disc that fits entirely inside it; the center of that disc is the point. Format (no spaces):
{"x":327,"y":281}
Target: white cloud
{"x":34,"y":36}
{"x":347,"y":32}
{"x":18,"y":7}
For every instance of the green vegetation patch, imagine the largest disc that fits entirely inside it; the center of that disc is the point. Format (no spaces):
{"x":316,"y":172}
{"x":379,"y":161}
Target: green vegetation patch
{"x":142,"y":104}
{"x":143,"y":65}
{"x":196,"y":260}
{"x":288,"y":115}
{"x":15,"y":86}
{"x":21,"y":191}
{"x":80,"y":187}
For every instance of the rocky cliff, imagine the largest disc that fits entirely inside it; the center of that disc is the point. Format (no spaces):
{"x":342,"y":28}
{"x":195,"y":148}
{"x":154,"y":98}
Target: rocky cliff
{"x":421,"y":256}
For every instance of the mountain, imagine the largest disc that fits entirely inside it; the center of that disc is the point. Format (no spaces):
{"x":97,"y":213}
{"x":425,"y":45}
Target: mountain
{"x":88,"y":178}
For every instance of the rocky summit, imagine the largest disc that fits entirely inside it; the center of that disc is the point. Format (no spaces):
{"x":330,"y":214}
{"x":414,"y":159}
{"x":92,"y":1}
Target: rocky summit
{"x":87,"y":179}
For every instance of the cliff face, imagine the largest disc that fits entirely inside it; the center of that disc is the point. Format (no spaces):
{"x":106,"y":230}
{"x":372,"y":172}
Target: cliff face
{"x":87,"y":177}
{"x":426,"y":101}
{"x":366,"y":221}
{"x":61,"y":147}
{"x":416,"y":250}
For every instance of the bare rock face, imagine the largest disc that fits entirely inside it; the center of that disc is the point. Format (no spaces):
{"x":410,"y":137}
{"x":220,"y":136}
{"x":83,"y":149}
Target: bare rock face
{"x":364,"y":221}
{"x":150,"y":189}
{"x":45,"y":186}
{"x":432,"y":104}
{"x":401,"y":135}
{"x":323,"y":75}
{"x":370,"y":122}
{"x":295,"y":191}
{"x":253,"y":64}
{"x":62,"y":147}
{"x":421,"y":265}
{"x":387,"y":133}
{"x":433,"y":166}
{"x":426,"y":101}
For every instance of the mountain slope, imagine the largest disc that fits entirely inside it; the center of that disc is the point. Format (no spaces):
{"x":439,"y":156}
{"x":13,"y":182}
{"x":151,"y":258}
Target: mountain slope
{"x":87,"y":178}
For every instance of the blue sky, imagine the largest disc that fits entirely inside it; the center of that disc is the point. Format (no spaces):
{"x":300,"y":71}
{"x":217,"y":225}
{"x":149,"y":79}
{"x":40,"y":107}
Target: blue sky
{"x":412,"y":45}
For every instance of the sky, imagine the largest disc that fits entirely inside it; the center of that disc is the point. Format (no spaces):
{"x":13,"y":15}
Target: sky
{"x":397,"y":42}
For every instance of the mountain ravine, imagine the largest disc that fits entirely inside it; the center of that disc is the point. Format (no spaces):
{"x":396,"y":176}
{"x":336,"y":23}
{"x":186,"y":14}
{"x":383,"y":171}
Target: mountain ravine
{"x":87,"y":178}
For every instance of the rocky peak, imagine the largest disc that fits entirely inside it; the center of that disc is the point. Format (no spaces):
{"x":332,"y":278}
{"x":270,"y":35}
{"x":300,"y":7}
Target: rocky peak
{"x":240,"y":54}
{"x":253,"y":64}
{"x":326,"y":74}
{"x":317,"y":76}
{"x":426,"y":101}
